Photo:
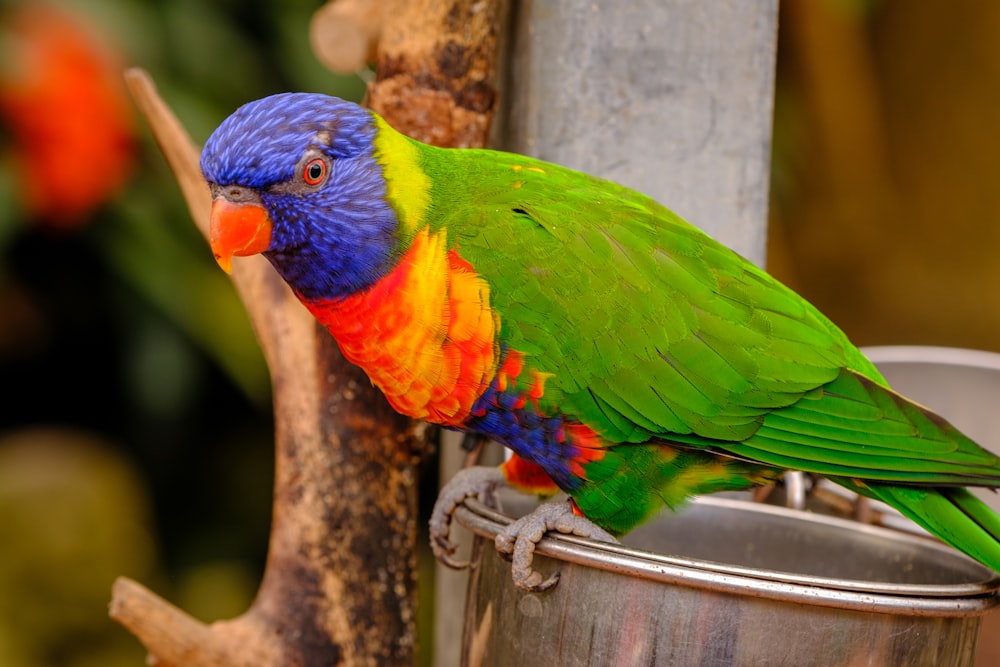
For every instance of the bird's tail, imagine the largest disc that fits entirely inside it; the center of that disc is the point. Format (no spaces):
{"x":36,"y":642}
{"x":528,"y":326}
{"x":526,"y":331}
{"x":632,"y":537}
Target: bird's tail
{"x":953,"y":514}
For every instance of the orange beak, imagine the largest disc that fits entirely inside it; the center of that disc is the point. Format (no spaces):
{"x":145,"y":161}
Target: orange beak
{"x":237,"y":229}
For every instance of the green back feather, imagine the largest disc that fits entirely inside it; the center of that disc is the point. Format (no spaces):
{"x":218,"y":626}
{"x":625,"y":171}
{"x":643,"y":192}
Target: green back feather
{"x":639,"y":314}
{"x":652,"y":329}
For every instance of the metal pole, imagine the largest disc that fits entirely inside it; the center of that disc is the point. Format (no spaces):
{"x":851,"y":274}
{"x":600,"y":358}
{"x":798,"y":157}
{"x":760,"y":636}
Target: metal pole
{"x":670,"y":97}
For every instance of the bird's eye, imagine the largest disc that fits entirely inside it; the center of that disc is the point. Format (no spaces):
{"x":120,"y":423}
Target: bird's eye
{"x":314,"y":172}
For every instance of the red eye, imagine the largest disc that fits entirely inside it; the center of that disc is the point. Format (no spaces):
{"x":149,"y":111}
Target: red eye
{"x":314,"y":172}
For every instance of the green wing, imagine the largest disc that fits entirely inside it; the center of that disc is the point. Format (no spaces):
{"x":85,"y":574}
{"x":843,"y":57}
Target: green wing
{"x":653,"y":330}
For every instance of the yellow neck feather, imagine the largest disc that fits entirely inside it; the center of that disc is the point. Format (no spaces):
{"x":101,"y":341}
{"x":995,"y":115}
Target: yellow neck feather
{"x":407,"y":185}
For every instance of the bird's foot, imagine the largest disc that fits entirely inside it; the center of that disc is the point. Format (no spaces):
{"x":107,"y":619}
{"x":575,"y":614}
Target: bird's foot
{"x":518,"y":540}
{"x":475,"y":482}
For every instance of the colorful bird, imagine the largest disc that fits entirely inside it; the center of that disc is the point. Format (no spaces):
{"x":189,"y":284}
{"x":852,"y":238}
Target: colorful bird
{"x":624,"y":356}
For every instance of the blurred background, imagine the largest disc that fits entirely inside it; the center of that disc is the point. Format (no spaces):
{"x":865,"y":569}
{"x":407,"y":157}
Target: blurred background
{"x":135,"y":426}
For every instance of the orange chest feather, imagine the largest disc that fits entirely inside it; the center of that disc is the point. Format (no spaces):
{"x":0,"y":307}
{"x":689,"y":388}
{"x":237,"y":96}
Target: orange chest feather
{"x":424,"y":334}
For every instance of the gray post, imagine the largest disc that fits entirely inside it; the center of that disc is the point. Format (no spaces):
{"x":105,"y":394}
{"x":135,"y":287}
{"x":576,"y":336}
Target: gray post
{"x":670,"y":97}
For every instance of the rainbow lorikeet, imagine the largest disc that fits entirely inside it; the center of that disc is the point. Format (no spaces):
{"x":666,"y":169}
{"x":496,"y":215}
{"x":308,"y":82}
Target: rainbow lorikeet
{"x":622,"y":354}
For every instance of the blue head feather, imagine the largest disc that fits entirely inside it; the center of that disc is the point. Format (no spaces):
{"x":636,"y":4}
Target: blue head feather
{"x":328,"y":242}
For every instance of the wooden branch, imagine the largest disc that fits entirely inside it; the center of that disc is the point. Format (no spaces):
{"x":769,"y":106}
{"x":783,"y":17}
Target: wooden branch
{"x":436,"y":74}
{"x":437,"y":69}
{"x":181,"y":153}
{"x":182,"y":639}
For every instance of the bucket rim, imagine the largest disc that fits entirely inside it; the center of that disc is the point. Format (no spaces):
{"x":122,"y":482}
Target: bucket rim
{"x":960,"y":599}
{"x":936,"y":355}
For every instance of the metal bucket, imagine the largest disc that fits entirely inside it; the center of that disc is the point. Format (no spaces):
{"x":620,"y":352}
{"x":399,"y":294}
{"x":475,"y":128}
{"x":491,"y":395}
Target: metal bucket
{"x":750,"y":584}
{"x":744,"y":584}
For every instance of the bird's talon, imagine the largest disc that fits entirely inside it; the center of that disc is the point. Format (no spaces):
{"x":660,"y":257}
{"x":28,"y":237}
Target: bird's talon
{"x":533,"y":582}
{"x":443,"y":546}
{"x":547,"y":584}
{"x":473,"y":482}
{"x":517,"y":541}
{"x":505,"y":544}
{"x":454,"y":564}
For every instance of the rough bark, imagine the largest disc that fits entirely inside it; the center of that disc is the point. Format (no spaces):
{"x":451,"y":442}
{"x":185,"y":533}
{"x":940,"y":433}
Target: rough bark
{"x":437,"y":70}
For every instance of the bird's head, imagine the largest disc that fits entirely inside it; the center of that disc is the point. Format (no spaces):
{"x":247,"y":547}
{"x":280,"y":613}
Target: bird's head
{"x":294,"y":176}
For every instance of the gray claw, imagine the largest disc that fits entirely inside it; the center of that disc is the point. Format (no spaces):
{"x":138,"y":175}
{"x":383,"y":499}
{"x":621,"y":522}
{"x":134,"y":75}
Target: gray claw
{"x":518,"y":540}
{"x":475,"y":482}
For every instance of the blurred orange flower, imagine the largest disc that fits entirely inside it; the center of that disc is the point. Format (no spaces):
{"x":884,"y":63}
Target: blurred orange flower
{"x":65,"y":106}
